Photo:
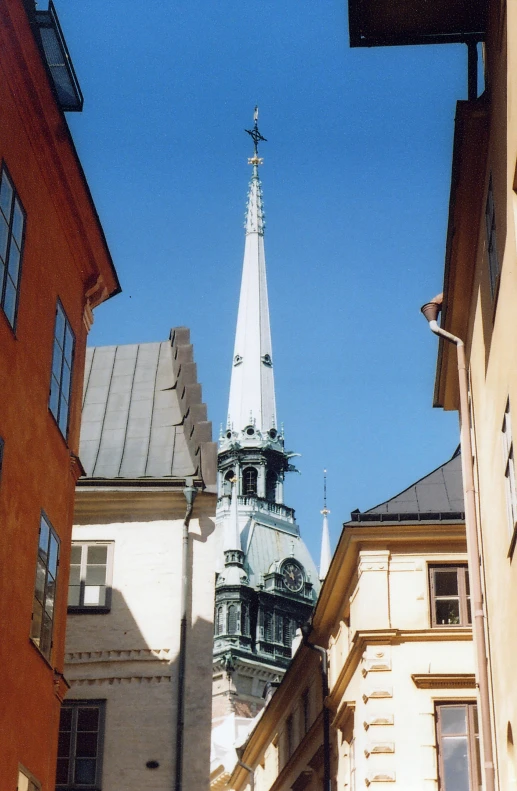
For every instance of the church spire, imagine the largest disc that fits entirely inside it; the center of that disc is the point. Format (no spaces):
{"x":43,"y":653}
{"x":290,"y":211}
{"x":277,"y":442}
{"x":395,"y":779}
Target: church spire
{"x":252,"y":390}
{"x":325,"y":556}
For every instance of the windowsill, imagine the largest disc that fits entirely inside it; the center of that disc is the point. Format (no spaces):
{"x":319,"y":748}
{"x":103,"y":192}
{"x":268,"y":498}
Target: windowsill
{"x":451,"y":626}
{"x":40,"y":653}
{"x":88,"y":610}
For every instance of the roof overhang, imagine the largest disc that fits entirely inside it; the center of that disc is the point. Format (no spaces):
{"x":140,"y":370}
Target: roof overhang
{"x":385,"y":23}
{"x":465,"y":215}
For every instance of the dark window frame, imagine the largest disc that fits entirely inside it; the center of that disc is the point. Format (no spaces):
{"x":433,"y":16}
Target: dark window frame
{"x":463,"y":594}
{"x":41,"y":634}
{"x":82,"y":608}
{"x":10,"y":239}
{"x":250,"y":482}
{"x":472,"y":739}
{"x":57,"y":348}
{"x":71,"y":756}
{"x":494,"y":267}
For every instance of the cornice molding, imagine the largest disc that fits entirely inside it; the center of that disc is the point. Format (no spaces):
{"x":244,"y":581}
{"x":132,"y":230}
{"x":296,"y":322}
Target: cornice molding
{"x":115,"y":680}
{"x":110,"y":502}
{"x":444,"y":680}
{"x":128,"y":655}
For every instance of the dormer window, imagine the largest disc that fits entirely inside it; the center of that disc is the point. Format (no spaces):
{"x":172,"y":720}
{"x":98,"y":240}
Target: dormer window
{"x":266,"y":359}
{"x":249,"y":431}
{"x":249,"y":481}
{"x":237,"y":359}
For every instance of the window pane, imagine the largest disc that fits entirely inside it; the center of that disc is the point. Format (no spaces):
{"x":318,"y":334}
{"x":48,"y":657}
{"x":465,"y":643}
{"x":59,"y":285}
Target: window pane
{"x":456,"y":764}
{"x":18,"y":223}
{"x":6,"y":196}
{"x":448,"y":612}
{"x":62,"y":771}
{"x":63,"y":415}
{"x":97,"y":554}
{"x":54,"y":551}
{"x":454,"y":719}
{"x":469,"y":612}
{"x":75,"y":575}
{"x":54,"y":396}
{"x":96,"y":575}
{"x":94,"y":595}
{"x":69,"y":344}
{"x":57,"y":361}
{"x":74,"y":595}
{"x":446,"y":583}
{"x":75,"y":555}
{"x":43,"y":539}
{"x":65,"y":720}
{"x":88,"y":719}
{"x":39,"y":589}
{"x":50,"y":596}
{"x":23,"y":782}
{"x":14,"y":262}
{"x":467,"y":583}
{"x":85,"y":771}
{"x":66,"y":375}
{"x":86,"y":744}
{"x":4,"y":235}
{"x":37,"y":613}
{"x":63,"y":745}
{"x":59,"y":333}
{"x":46,"y":635}
{"x":9,"y":301}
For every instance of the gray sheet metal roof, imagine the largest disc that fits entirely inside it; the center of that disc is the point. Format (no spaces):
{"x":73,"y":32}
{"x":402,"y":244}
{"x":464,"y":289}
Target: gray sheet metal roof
{"x":142,"y":413}
{"x":437,"y":495}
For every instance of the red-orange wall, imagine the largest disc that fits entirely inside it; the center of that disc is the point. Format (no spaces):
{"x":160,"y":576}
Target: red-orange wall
{"x":64,"y":253}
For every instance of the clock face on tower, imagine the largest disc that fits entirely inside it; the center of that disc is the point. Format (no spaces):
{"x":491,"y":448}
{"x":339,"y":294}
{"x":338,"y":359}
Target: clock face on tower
{"x":292,"y":576}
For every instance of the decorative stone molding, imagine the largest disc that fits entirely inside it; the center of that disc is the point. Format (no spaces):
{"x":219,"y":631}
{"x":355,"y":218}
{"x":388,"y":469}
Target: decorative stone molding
{"x":444,"y":680}
{"x":379,"y":747}
{"x":111,"y":681}
{"x":129,"y":655}
{"x":376,"y":659}
{"x":378,"y":692}
{"x":380,"y":777}
{"x":378,"y":719}
{"x":370,"y":560}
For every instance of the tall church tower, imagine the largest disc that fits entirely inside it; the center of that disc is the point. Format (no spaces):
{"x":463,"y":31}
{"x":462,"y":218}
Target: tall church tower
{"x":268,"y":582}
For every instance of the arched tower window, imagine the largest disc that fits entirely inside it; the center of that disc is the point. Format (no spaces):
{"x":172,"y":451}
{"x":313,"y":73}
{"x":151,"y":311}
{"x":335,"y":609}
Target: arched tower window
{"x":232,"y":619}
{"x":245,"y":620}
{"x":219,"y":620}
{"x":227,"y":483}
{"x":249,"y":481}
{"x":271,"y":479}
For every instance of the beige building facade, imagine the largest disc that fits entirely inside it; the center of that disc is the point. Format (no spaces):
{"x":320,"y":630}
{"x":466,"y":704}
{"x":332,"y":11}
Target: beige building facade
{"x":394,"y":622}
{"x":130,"y":660}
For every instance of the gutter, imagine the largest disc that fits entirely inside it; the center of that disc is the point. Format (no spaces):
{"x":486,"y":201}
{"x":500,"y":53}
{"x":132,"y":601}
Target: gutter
{"x":190,"y":493}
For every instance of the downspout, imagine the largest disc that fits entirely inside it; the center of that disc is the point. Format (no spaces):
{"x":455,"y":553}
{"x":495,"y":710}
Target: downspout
{"x":190,"y":493}
{"x":430,"y":311}
{"x":250,"y":771}
{"x":306,"y":630}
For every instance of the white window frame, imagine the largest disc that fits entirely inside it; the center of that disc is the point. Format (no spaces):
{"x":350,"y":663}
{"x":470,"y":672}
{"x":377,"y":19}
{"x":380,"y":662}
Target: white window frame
{"x":509,"y":475}
{"x":94,"y":608}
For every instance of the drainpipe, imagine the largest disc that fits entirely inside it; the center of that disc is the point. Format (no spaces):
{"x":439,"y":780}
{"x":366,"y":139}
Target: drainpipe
{"x":250,"y":771}
{"x":190,"y":493}
{"x":306,"y":629}
{"x":430,"y":311}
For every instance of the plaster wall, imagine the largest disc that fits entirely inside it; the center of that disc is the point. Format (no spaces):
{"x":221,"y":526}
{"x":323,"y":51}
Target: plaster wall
{"x":129,"y":656}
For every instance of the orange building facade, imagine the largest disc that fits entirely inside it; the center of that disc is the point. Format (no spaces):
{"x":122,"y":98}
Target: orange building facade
{"x":55,"y":267}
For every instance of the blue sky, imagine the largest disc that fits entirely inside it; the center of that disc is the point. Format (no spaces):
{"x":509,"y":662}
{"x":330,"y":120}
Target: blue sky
{"x":356,"y":181}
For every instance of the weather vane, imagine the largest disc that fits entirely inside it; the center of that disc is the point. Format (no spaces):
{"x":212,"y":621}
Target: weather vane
{"x":256,"y":137}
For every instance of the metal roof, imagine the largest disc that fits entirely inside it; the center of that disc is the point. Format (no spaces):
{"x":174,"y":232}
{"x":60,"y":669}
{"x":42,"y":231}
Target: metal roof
{"x":438,"y":495}
{"x":142,"y":413}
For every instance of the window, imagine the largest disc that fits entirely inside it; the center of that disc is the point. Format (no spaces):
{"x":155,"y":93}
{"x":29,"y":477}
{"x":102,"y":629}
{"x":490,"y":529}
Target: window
{"x":509,"y":470}
{"x":450,"y":596}
{"x":227,"y":483}
{"x":91,"y":568}
{"x":271,"y":479}
{"x":61,"y":377}
{"x":457,"y":741}
{"x":45,"y":588}
{"x":289,"y":736}
{"x":493,"y":257}
{"x":219,"y":621}
{"x":12,"y":225}
{"x":249,"y":481}
{"x":232,"y":619}
{"x":81,"y":736}
{"x":1,"y":455}
{"x":27,"y":781}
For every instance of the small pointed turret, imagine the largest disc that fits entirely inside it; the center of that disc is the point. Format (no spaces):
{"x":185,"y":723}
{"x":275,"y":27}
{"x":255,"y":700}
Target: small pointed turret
{"x":252,"y":389}
{"x":325,"y":556}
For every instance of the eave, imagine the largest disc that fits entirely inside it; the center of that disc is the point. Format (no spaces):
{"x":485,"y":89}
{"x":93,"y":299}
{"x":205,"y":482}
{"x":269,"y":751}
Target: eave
{"x":465,"y":215}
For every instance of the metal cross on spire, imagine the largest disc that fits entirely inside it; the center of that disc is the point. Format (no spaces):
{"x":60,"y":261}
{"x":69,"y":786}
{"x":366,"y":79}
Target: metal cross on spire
{"x":325,"y":509}
{"x":256,"y":137}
